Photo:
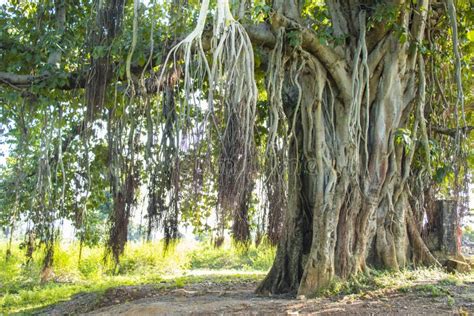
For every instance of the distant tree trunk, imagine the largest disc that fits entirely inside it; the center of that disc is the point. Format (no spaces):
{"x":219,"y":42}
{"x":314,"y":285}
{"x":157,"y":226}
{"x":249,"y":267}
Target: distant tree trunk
{"x":442,"y":230}
{"x":47,"y":271}
{"x":9,"y":234}
{"x":13,"y":221}
{"x":347,"y":177}
{"x":30,"y":245}
{"x":241,"y":225}
{"x":451,"y":237}
{"x":124,"y":180}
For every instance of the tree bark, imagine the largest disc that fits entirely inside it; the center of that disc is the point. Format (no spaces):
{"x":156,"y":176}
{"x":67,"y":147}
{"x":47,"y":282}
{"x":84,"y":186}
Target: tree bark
{"x":348,"y":205}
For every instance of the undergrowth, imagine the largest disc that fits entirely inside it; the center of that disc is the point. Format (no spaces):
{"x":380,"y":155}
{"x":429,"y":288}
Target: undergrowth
{"x":142,"y":263}
{"x":233,"y":258}
{"x":429,"y":281}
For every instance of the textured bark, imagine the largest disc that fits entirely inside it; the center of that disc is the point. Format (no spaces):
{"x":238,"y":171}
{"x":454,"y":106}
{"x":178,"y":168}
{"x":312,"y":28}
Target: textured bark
{"x":442,"y":230}
{"x":295,"y":243}
{"x":241,"y":225}
{"x":450,"y":241}
{"x":348,"y":194}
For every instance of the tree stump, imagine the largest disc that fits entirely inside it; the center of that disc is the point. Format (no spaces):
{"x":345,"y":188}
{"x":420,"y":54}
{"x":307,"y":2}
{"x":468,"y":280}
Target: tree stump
{"x":449,"y":232}
{"x":443,"y":235}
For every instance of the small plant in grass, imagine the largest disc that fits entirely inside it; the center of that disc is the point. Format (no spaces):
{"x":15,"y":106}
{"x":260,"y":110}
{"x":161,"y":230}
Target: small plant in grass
{"x":451,"y":280}
{"x":180,"y":282}
{"x":450,"y":301}
{"x":431,"y":289}
{"x":405,"y":289}
{"x":358,"y":284}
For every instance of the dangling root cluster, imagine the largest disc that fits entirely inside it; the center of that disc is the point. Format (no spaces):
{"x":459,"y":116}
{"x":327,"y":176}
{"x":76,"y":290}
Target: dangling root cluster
{"x":231,"y":99}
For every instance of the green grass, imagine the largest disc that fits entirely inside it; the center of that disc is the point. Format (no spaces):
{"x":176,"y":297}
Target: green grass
{"x":148,"y":263}
{"x":51,"y":293}
{"x":429,"y":281}
{"x":232,"y":258}
{"x":184,"y":263}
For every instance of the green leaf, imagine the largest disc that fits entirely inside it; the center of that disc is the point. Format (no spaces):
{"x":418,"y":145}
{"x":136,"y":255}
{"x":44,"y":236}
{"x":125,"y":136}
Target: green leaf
{"x":403,"y":38}
{"x":294,"y":38}
{"x":99,"y":51}
{"x":470,"y":36}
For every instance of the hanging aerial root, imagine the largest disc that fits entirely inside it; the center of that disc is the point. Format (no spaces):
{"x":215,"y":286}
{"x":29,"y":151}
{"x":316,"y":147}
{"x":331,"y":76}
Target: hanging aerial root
{"x":276,"y":148}
{"x":360,"y":87}
{"x":231,"y":89}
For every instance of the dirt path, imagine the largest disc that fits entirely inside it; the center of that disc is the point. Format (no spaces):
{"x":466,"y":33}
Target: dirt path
{"x":208,"y":297}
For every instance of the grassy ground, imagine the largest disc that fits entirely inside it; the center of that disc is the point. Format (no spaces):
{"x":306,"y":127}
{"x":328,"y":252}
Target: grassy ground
{"x":424,"y":280}
{"x":424,"y":291}
{"x":21,"y":289}
{"x":184,"y":264}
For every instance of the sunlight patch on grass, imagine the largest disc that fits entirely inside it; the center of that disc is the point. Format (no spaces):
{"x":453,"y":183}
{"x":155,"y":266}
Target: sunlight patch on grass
{"x":142,"y":263}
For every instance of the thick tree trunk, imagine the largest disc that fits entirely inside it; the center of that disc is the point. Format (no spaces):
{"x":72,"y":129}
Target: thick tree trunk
{"x":348,"y":203}
{"x":295,"y":243}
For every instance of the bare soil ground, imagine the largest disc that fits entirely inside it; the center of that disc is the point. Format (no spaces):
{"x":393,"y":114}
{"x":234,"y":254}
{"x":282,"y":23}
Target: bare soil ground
{"x":217,"y":297}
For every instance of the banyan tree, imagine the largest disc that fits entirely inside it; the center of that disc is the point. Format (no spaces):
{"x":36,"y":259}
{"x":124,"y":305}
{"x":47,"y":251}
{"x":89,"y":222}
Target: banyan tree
{"x":347,"y":119}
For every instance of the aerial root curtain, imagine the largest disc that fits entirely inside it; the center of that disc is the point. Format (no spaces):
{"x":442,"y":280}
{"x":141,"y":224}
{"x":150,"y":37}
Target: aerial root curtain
{"x":348,"y":203}
{"x":232,"y":88}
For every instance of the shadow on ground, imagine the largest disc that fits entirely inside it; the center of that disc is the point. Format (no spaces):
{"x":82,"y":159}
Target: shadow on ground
{"x":213,"y":295}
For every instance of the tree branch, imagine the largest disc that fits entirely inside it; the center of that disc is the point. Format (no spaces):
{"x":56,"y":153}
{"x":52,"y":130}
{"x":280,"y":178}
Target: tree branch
{"x":60,"y":8}
{"x":380,"y":29}
{"x":451,"y":132}
{"x":74,"y":80}
{"x":259,"y":34}
{"x":19,"y":81}
{"x":334,"y":64}
{"x":417,"y":30}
